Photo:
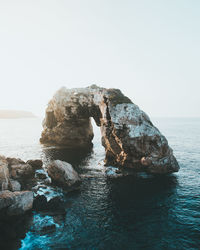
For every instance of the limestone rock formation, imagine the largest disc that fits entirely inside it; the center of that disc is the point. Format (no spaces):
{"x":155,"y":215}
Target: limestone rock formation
{"x":63,"y":174}
{"x":129,"y":137}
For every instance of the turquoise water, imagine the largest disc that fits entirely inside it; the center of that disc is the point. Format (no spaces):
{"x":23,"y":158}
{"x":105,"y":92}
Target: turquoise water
{"x":132,"y":212}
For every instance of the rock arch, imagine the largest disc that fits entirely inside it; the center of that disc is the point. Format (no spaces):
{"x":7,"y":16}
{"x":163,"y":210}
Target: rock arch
{"x":129,"y":137}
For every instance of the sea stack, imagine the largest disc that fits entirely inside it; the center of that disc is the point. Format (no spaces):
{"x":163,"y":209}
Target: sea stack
{"x":129,"y":137}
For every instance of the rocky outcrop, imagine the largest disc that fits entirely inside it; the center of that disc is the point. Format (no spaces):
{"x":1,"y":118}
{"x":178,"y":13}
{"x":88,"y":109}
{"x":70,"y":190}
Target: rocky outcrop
{"x":63,"y":174}
{"x":26,"y":185}
{"x":15,"y":177}
{"x":21,"y":174}
{"x":4,"y":173}
{"x":16,"y":203}
{"x":129,"y":137}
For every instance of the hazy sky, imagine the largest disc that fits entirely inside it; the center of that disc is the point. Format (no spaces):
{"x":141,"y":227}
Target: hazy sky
{"x":150,"y":49}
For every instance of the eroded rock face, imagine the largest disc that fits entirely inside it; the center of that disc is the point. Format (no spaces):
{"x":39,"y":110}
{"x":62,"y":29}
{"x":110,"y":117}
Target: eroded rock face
{"x":129,"y":137}
{"x":16,"y":203}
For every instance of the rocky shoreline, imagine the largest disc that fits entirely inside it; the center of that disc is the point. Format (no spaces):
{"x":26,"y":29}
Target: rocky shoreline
{"x":33,"y":196}
{"x":132,"y":144}
{"x":29,"y":185}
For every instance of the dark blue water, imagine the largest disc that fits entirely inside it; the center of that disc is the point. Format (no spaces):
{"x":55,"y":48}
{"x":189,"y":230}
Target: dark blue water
{"x":133,"y":212}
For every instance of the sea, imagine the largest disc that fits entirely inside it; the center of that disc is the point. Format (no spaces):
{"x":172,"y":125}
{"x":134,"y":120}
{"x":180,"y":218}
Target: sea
{"x":131,"y":212}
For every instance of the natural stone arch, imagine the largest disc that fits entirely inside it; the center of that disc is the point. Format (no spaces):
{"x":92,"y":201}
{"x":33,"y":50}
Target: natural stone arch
{"x":128,"y":135}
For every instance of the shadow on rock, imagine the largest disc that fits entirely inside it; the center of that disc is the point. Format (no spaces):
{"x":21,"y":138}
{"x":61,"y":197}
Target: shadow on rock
{"x":54,"y":206}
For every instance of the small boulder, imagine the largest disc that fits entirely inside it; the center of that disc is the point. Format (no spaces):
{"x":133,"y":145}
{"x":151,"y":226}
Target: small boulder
{"x":55,"y":205}
{"x":47,"y":229}
{"x":63,"y":174}
{"x":43,"y":225}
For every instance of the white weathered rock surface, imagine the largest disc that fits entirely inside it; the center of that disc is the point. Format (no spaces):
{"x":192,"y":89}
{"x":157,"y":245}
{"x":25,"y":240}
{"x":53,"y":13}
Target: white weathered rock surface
{"x":63,"y":174}
{"x":128,"y":135}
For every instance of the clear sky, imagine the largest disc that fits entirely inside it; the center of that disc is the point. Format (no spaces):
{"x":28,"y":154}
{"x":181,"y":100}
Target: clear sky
{"x":150,"y":49}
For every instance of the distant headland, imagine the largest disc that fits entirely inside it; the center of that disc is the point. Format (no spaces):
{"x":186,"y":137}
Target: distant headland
{"x":15,"y":114}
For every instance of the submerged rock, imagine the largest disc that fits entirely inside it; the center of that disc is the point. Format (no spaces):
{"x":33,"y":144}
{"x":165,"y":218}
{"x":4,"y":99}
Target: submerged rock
{"x":129,"y":137}
{"x":43,"y":225}
{"x":63,"y":174}
{"x":54,"y":205}
{"x":46,"y":229}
